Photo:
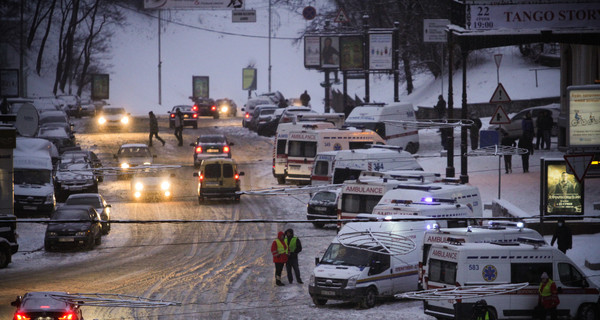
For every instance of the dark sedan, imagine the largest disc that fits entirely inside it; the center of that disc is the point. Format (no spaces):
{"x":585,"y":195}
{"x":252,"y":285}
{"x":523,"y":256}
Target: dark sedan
{"x":190,"y":116}
{"x":323,"y":205}
{"x":47,"y":306}
{"x":83,"y":233}
{"x":96,"y":201}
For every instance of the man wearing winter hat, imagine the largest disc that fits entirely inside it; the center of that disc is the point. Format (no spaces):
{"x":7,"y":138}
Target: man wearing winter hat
{"x":548,"y":297}
{"x":294,"y":247}
{"x":279,"y":249}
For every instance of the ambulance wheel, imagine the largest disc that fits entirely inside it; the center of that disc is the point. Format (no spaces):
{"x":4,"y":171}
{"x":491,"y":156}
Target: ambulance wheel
{"x":319,"y":302}
{"x":370,"y":298}
{"x":412,"y":147}
{"x":281,"y":180}
{"x":588,"y":312}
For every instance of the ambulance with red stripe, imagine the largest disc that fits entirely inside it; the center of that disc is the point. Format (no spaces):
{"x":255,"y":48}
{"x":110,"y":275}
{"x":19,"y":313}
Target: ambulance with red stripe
{"x":372,"y":117}
{"x":303,"y":146}
{"x":458,"y":264}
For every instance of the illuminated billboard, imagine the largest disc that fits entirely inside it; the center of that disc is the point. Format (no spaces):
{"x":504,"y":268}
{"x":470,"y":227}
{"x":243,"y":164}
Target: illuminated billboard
{"x":562,"y":193}
{"x":583,"y":128}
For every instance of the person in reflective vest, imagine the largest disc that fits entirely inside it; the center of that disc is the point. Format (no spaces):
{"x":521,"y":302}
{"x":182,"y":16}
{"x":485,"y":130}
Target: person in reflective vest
{"x":482,"y":312}
{"x":279,"y":249}
{"x":548,"y":297}
{"x":294,"y":247}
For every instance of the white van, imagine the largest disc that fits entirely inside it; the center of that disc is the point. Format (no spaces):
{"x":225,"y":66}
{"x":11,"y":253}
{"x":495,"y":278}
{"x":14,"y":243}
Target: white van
{"x":367,"y":260}
{"x":337,"y":167}
{"x":33,"y":183}
{"x":303,"y":146}
{"x":372,"y":117}
{"x":280,"y":143}
{"x":483,"y":264}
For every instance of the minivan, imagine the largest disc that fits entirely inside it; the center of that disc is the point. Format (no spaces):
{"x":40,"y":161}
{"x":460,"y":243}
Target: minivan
{"x":218,"y":178}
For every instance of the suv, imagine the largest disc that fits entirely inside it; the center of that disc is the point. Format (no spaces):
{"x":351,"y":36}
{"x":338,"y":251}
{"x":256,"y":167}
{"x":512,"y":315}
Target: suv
{"x":206,"y":107}
{"x":74,"y":177}
{"x":8,"y":239}
{"x":261,"y":113}
{"x":211,"y":146}
{"x":133,"y":155}
{"x":218,"y":178}
{"x":190,"y":116}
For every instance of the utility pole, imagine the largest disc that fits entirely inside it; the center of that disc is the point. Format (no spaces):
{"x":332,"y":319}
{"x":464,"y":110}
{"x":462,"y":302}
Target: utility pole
{"x":159,"y":63}
{"x":269,"y":46}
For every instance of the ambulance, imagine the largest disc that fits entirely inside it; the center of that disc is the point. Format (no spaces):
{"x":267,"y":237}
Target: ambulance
{"x":279,"y":152}
{"x":372,"y":117}
{"x":333,"y":167}
{"x":479,"y":265}
{"x":303,"y":146}
{"x":367,"y":260}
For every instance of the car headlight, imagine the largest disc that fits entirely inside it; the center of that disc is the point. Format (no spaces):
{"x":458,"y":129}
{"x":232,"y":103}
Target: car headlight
{"x":101,"y":120}
{"x":124,"y":165}
{"x":224,"y":108}
{"x":80,"y":233}
{"x":139,"y":186}
{"x":311,"y":280}
{"x":165,"y":185}
{"x":352,"y":282}
{"x":125,"y":120}
{"x":51,"y":234}
{"x":147,"y":163}
{"x":50,"y":198}
{"x":137,"y":194}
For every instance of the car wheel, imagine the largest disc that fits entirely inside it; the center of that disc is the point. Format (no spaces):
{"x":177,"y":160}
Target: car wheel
{"x":319,"y":302}
{"x":89,"y":245}
{"x":195,"y":126}
{"x":106,"y":229}
{"x":588,"y":312}
{"x":412,"y":147}
{"x":370,"y":298}
{"x":4,"y":257}
{"x":281,"y":180}
{"x":216,"y":116}
{"x":101,"y":179}
{"x":47,"y":247}
{"x":98,"y":240}
{"x":237,"y":199}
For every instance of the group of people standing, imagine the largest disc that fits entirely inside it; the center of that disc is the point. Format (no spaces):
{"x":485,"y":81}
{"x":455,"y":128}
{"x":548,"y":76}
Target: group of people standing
{"x":285,"y":251}
{"x":154,"y":128}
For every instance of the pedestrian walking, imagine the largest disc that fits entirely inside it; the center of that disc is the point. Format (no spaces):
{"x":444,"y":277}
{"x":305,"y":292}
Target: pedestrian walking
{"x":474,"y":130}
{"x":509,"y":142}
{"x":544,"y":124}
{"x":547,"y":298}
{"x":154,"y":129}
{"x":294,"y":247}
{"x":279,"y":250}
{"x":305,"y":98}
{"x":526,"y":140}
{"x":440,"y":107}
{"x":179,"y":127}
{"x":563,"y":236}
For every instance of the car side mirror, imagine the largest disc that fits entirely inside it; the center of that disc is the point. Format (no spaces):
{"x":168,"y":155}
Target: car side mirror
{"x":17,"y":303}
{"x":241,"y":173}
{"x":231,"y":144}
{"x":243,"y":109}
{"x":317,"y":261}
{"x":195,"y":174}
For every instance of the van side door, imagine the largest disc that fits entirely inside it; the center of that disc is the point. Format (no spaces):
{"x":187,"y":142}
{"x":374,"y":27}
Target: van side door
{"x":573,"y":288}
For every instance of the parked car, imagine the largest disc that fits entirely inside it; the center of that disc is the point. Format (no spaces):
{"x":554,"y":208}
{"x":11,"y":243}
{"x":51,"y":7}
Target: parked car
{"x":84,"y":155}
{"x":58,"y":136}
{"x":218,"y":178}
{"x":74,"y":177}
{"x":66,"y":126}
{"x":211,"y":146}
{"x":96,"y":201}
{"x":113,"y":117}
{"x":190,"y":115}
{"x":133,"y":155}
{"x":60,"y":117}
{"x":263,"y":110}
{"x":72,"y":105}
{"x":47,"y":104}
{"x":8,"y":239}
{"x":269,"y":127}
{"x":85,"y":233}
{"x":248,"y":108}
{"x":323,"y":205}
{"x":88,"y":109}
{"x":514,"y":127}
{"x":226,"y":107}
{"x":206,"y":107}
{"x":17,"y":103}
{"x":152,"y":185}
{"x":44,"y":305}
{"x":290,"y":113}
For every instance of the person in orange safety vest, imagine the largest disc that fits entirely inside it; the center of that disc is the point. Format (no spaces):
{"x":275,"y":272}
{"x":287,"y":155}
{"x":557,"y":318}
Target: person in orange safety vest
{"x":279,"y":249}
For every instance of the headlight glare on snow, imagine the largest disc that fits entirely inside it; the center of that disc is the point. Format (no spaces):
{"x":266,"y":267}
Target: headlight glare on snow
{"x":139,"y":186}
{"x":125,"y":120}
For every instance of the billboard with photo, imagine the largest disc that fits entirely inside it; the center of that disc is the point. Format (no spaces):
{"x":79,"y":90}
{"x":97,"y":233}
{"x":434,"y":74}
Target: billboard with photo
{"x":583,"y":127}
{"x":249,"y":79}
{"x":100,"y":86}
{"x":352,"y":57}
{"x":330,"y":52}
{"x":312,"y":51}
{"x":200,"y":87}
{"x":562,"y":193}
{"x":380,"y":51}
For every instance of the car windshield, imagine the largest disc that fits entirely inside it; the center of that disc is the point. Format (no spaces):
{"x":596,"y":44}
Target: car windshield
{"x":34,"y":303}
{"x":265,"y":112}
{"x":74,"y":166}
{"x":212,"y":139}
{"x":32,"y":176}
{"x":53,"y":132}
{"x":70,"y":214}
{"x":182,"y":108}
{"x":134,"y":152}
{"x":337,"y":254}
{"x":50,"y":119}
{"x":113,"y":111}
{"x":92,"y":201}
{"x":70,"y":157}
{"x":324,"y":196}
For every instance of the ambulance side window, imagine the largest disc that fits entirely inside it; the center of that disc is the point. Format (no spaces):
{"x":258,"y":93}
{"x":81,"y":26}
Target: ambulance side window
{"x":442,"y":271}
{"x":529,"y":272}
{"x":569,"y":276}
{"x":321,"y":168}
{"x":281,"y":146}
{"x":379,"y":263}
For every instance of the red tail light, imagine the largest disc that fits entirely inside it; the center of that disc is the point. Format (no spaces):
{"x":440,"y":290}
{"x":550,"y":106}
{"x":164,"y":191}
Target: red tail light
{"x":236,"y":176}
{"x":198,"y":149}
{"x":247,"y":115}
{"x":21,"y":316}
{"x":201,"y":176}
{"x":172,"y":115}
{"x":195,"y":108}
{"x":195,"y":115}
{"x":68,"y":316}
{"x":226,"y":149}
{"x":213,"y":108}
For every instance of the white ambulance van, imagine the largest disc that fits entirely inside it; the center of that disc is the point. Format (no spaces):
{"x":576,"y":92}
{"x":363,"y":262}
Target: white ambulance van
{"x":372,"y":117}
{"x":484,"y":264}
{"x":367,"y":260}
{"x":33,"y":183}
{"x":303,"y":146}
{"x":492,"y":231}
{"x":279,"y":152}
{"x":337,"y":167}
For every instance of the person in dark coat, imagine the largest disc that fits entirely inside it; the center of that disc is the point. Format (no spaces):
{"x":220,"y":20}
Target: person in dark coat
{"x":305,"y":98}
{"x":544,"y":125}
{"x":563,"y":237}
{"x":474,"y":130}
{"x":526,"y":140}
{"x":440,"y":107}
{"x":509,"y":142}
{"x":294,"y":247}
{"x":179,"y":127}
{"x":446,"y":133}
{"x":154,"y":129}
{"x":5,"y":106}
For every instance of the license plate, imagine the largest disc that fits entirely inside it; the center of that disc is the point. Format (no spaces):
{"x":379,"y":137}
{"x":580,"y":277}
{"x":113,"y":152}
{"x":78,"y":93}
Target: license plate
{"x":327,"y":293}
{"x":76,"y":188}
{"x":29,"y":207}
{"x":66,"y":239}
{"x":212,"y":183}
{"x":212,"y":150}
{"x":321,"y":209}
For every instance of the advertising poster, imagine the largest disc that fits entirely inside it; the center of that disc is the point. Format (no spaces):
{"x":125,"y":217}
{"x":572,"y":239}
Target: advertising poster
{"x":200,"y":87}
{"x":380,"y":51}
{"x":564,"y":194}
{"x":330,"y":52}
{"x":312,"y":52}
{"x":584,"y":116}
{"x":249,"y":79}
{"x":9,"y":83}
{"x":352,"y":53}
{"x":100,"y":86}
